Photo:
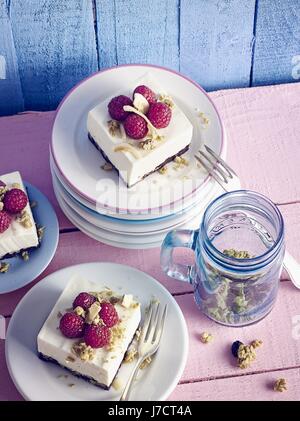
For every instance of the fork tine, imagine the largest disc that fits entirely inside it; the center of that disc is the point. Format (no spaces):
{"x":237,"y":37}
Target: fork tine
{"x":212,"y":172}
{"x":220,"y":160}
{"x":217,"y":168}
{"x":146,"y":323}
{"x":160,"y":326}
{"x":153,"y":323}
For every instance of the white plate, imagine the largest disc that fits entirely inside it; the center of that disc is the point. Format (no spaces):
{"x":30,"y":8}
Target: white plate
{"x":118,"y":240}
{"x":38,"y":380}
{"x":172,"y":212}
{"x":79,"y":162}
{"x":140,"y":229}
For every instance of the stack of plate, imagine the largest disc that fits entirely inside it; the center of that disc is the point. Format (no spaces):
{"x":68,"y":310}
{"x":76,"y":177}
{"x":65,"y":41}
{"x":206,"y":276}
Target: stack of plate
{"x":97,"y":201}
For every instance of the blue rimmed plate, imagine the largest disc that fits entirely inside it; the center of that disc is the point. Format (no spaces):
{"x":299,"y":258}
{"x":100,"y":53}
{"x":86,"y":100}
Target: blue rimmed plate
{"x":23,"y":272}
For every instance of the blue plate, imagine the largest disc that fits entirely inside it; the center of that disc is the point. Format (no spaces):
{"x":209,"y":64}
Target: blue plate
{"x":23,"y":272}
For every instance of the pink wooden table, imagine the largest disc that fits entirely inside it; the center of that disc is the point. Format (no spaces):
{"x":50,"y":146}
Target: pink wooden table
{"x":263,"y":128}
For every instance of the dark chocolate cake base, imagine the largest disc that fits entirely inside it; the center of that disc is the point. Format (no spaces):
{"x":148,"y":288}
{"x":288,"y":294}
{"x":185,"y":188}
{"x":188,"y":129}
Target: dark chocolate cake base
{"x":81,"y":376}
{"x":171,"y":158}
{"x":75,"y":373}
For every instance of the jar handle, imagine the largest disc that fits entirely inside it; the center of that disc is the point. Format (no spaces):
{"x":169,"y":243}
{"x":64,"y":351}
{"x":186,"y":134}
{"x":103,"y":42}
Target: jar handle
{"x":174,"y":239}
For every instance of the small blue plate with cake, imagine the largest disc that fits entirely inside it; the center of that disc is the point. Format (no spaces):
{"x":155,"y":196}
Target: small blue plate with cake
{"x":29,"y":232}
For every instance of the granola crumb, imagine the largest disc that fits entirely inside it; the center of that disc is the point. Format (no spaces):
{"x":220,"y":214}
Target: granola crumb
{"x":25,"y":255}
{"x":280,"y":385}
{"x":130,"y":355}
{"x":79,"y":311}
{"x":40,"y":232}
{"x":59,"y":315}
{"x":83,"y":351}
{"x":16,"y":186}
{"x":117,"y":384}
{"x":138,"y":334}
{"x":4,"y":267}
{"x":180,"y":162}
{"x":167,"y":99}
{"x":148,"y":144}
{"x":145,"y":363}
{"x":114,"y":128}
{"x":246,"y":355}
{"x":204,"y":119}
{"x":24,"y":219}
{"x":206,"y":337}
{"x":70,"y":359}
{"x":71,"y":384}
{"x":107,"y":166}
{"x":238,"y":254}
{"x":256,"y":343}
{"x":163,"y":170}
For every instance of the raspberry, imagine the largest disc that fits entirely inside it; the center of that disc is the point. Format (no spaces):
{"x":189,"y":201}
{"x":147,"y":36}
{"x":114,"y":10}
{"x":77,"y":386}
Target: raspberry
{"x":5,"y":221}
{"x":235,"y":348}
{"x":135,"y":126}
{"x":108,"y":314}
{"x":84,"y":300}
{"x":146,"y":92}
{"x":71,"y":325}
{"x":115,"y":107}
{"x":15,"y":201}
{"x":159,"y":114}
{"x":97,"y":336}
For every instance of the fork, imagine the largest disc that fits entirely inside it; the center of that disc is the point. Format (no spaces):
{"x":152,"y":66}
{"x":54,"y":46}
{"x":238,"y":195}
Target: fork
{"x":148,"y":342}
{"x":228,"y":179}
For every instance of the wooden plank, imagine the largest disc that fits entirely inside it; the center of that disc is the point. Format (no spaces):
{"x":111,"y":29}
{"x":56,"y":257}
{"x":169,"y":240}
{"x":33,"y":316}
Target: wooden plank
{"x":27,"y":140}
{"x":258,"y":387}
{"x":276,"y":51}
{"x":291,"y":215}
{"x":75,"y":247}
{"x":280,"y":336}
{"x":130,"y":32}
{"x":56,"y":48}
{"x":8,"y":391}
{"x":265,"y":118}
{"x":11,"y":97}
{"x":263,"y":131}
{"x":281,"y":341}
{"x":216,"y":40}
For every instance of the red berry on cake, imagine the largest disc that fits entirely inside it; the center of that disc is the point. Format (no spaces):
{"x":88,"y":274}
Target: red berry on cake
{"x":15,"y":201}
{"x":84,"y":300}
{"x":135,"y":126}
{"x":71,"y":325}
{"x":108,"y":314}
{"x":97,"y":336}
{"x":115,"y":107}
{"x":146,"y":92}
{"x":159,"y":114}
{"x":5,"y":221}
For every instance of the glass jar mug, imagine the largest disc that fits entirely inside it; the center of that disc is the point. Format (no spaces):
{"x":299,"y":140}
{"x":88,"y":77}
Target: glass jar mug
{"x":239,"y":251}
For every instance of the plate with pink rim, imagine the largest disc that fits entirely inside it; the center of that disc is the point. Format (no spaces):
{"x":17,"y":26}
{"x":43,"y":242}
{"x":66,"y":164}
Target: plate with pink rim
{"x":79,"y":163}
{"x":118,"y":226}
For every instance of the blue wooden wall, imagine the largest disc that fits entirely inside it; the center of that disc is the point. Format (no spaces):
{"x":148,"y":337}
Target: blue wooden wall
{"x":47,"y":46}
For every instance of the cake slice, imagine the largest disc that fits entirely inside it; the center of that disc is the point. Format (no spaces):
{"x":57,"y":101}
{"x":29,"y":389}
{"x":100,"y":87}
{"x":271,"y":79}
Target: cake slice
{"x":17,"y":227}
{"x":139,"y":129}
{"x":92,"y":337}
